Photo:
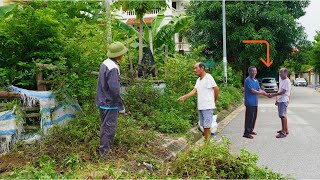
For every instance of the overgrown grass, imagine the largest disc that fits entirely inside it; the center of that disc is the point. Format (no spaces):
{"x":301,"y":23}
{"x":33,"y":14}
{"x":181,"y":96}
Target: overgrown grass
{"x":215,"y":161}
{"x":74,"y":146}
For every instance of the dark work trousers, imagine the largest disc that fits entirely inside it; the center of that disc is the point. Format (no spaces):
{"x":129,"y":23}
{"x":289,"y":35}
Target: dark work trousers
{"x":250,"y":119}
{"x":107,"y":130}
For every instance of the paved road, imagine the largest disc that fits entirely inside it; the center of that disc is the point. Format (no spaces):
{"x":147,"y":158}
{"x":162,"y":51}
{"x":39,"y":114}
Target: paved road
{"x":299,"y":153}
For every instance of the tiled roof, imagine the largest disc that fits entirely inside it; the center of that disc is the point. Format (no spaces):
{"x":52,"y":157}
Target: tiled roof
{"x":134,"y":21}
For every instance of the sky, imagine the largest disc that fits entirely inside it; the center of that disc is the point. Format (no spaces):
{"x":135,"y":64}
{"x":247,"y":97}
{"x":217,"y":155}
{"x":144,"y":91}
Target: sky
{"x":311,"y":20}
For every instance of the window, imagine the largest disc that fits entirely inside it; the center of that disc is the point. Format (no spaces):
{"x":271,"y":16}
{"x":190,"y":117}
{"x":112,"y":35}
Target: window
{"x":268,"y":81}
{"x":180,"y":38}
{"x":174,"y":5}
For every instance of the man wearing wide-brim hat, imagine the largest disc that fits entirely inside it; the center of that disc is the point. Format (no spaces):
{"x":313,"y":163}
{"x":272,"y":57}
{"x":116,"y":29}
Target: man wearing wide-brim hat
{"x":108,"y":97}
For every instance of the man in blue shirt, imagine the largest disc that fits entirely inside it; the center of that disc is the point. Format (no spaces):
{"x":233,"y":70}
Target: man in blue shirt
{"x":251,"y":91}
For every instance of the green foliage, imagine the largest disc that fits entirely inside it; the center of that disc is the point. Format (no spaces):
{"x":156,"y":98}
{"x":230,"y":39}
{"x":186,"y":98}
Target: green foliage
{"x":141,"y":99}
{"x":160,"y":35}
{"x":140,"y":7}
{"x":130,"y":134}
{"x":171,"y":121}
{"x":163,"y":35}
{"x":5,"y":10}
{"x":299,"y":57}
{"x":315,"y":53}
{"x":274,"y":21}
{"x":215,"y":161}
{"x":71,"y":147}
{"x":44,"y":32}
{"x":156,"y":110}
{"x":45,"y":170}
{"x":229,"y":95}
{"x":83,"y":53}
{"x":180,"y":76}
{"x":234,"y":78}
{"x":23,"y":43}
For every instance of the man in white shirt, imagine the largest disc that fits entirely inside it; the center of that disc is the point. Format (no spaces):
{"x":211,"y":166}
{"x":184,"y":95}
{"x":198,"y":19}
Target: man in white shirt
{"x":282,"y":101}
{"x":208,"y":93}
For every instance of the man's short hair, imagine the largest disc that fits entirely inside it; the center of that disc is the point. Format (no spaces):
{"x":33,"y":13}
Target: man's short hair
{"x":251,"y":67}
{"x":202,"y":65}
{"x":285,"y":70}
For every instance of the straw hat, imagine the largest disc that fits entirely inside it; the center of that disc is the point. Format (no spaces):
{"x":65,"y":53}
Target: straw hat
{"x":116,"y":49}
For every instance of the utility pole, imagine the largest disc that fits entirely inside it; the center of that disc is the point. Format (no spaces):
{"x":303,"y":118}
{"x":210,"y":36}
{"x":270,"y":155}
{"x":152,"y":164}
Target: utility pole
{"x":224,"y":42}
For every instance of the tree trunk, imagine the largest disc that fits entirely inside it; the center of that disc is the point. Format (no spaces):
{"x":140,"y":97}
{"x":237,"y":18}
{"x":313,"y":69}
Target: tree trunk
{"x":150,"y":40}
{"x":108,"y":14}
{"x":140,"y":39}
{"x":165,"y":59}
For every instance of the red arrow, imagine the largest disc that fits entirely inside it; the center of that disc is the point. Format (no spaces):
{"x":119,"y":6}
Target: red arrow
{"x":268,"y":62}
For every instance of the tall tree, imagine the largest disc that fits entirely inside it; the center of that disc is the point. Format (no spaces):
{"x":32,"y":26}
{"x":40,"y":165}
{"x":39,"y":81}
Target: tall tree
{"x":315,"y":53}
{"x":274,"y":21}
{"x":141,"y":7}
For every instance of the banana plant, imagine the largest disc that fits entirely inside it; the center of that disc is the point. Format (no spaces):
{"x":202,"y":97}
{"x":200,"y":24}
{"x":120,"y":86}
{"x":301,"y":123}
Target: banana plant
{"x":4,"y":10}
{"x":141,"y":7}
{"x":160,"y":34}
{"x":163,"y":35}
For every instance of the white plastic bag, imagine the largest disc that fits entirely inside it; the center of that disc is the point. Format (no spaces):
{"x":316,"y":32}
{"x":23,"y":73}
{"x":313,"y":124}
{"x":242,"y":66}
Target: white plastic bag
{"x":214,"y":125}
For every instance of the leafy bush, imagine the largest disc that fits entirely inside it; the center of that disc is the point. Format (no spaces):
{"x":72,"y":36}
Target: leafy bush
{"x":171,"y":122}
{"x":228,"y":96}
{"x":161,"y":110}
{"x":54,"y":33}
{"x":215,"y":161}
{"x":141,"y":99}
{"x":180,"y":76}
{"x":234,"y":78}
{"x":30,"y":35}
{"x":153,"y":109}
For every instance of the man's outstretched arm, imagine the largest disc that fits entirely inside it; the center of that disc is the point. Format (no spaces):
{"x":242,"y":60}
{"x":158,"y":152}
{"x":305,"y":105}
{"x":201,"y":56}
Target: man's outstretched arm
{"x":191,"y":93}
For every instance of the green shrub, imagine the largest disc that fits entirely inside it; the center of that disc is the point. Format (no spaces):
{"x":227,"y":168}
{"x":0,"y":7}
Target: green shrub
{"x":228,"y":96}
{"x":215,"y":161}
{"x":234,"y":78}
{"x":171,"y":122}
{"x":187,"y":109}
{"x":130,"y":134}
{"x":155,"y":110}
{"x":180,"y":76}
{"x":141,"y":99}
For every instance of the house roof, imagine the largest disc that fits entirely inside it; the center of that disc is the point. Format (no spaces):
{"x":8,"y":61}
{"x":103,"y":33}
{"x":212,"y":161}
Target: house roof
{"x":134,"y":21}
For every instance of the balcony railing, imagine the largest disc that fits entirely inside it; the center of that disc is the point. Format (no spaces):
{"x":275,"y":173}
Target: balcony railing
{"x":133,"y":13}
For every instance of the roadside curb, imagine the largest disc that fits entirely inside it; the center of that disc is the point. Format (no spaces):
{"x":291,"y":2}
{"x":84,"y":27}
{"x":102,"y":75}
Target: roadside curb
{"x":222,"y":124}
